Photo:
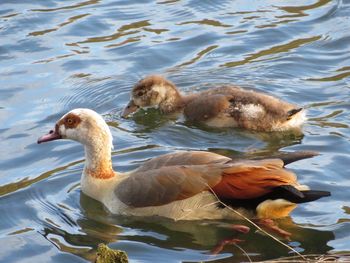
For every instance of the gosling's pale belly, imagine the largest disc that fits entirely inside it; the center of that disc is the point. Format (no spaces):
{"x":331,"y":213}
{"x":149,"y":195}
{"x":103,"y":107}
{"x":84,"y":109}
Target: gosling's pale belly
{"x":248,"y":114}
{"x":222,"y":121}
{"x":253,"y":119}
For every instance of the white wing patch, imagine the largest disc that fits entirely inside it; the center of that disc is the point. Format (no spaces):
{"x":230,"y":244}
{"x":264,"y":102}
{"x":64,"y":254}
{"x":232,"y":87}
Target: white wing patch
{"x":252,"y":110}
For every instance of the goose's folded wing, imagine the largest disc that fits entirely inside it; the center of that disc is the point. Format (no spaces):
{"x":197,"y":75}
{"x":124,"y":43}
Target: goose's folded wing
{"x":239,"y":180}
{"x":251,"y":179}
{"x":167,"y":184}
{"x":183,"y":158}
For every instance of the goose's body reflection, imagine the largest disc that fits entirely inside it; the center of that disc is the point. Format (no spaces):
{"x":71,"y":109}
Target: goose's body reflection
{"x":98,"y":225}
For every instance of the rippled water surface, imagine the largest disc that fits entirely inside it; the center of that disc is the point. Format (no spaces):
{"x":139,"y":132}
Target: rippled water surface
{"x":59,"y":55}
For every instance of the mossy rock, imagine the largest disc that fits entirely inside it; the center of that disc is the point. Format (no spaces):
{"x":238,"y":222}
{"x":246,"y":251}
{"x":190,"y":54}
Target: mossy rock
{"x":107,"y":255}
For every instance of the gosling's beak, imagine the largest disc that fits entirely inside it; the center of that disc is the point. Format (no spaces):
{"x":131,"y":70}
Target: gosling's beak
{"x":52,"y":135}
{"x":130,"y":108}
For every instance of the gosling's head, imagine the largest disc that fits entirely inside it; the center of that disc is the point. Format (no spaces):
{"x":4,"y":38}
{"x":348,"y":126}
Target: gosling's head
{"x":153,"y":91}
{"x":81,"y":125}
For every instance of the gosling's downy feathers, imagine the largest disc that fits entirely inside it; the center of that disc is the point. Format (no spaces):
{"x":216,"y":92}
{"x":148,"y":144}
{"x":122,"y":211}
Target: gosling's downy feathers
{"x":225,"y":106}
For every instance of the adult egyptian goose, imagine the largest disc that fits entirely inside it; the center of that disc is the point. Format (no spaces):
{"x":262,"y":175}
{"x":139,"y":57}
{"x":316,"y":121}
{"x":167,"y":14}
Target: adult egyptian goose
{"x":181,"y":185}
{"x":226,"y":106}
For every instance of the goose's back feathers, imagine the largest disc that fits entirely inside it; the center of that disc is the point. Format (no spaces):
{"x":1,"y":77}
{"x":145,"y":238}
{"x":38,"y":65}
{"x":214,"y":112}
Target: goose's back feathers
{"x":183,"y":158}
{"x":179,"y":176}
{"x":181,"y":187}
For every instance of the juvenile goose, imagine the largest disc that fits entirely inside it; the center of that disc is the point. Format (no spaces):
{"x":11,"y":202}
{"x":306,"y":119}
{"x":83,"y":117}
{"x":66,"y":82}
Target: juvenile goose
{"x":226,"y":106}
{"x":181,"y":185}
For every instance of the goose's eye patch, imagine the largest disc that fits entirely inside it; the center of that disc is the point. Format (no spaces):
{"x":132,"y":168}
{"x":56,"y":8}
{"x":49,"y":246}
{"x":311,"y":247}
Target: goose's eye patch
{"x":71,"y":121}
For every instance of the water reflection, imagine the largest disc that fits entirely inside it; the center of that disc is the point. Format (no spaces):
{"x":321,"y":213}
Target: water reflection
{"x":272,"y":51}
{"x":335,"y":77}
{"x":68,"y":7}
{"x":200,"y":235}
{"x":255,"y":143}
{"x":69,"y":21}
{"x":298,"y":11}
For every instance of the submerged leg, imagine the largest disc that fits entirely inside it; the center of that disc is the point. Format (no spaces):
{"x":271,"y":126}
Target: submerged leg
{"x":272,"y":209}
{"x":271,"y":226}
{"x":230,"y":241}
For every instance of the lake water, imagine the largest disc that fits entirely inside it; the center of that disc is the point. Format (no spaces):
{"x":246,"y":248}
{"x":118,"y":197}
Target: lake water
{"x":59,"y":55}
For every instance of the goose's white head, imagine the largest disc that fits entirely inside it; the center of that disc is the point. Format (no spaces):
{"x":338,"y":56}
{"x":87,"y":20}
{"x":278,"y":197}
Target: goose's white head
{"x":81,"y":125}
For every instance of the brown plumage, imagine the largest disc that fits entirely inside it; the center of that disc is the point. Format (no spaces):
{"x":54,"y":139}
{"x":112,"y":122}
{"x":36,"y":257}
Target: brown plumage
{"x":225,"y":106}
{"x":181,"y":185}
{"x":182,"y":175}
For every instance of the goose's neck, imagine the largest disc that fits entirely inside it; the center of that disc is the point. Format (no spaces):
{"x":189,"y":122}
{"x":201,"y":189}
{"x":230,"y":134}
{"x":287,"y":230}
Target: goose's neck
{"x":98,"y":162}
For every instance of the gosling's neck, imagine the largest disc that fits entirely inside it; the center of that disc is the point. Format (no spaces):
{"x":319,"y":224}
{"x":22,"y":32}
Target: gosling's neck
{"x":176,"y":102}
{"x":98,"y":160}
{"x":168,"y":98}
{"x":172,"y":100}
{"x":188,"y":98}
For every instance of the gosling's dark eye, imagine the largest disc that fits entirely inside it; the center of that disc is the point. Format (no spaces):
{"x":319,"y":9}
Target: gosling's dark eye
{"x":140,"y":93}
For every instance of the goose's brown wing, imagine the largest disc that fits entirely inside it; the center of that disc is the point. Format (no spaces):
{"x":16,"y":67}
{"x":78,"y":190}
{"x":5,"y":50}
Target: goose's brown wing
{"x":252,"y":179}
{"x":167,"y":184}
{"x":239,"y":180}
{"x":183,"y":158}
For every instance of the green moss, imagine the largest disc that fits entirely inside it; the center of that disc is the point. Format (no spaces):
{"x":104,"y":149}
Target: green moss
{"x":107,"y":255}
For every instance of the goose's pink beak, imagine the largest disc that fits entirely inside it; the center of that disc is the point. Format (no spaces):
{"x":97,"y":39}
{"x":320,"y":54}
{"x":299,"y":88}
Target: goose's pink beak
{"x":51,"y":136}
{"x":130,"y":108}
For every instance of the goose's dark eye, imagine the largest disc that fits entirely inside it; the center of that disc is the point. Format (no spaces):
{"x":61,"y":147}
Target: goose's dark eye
{"x":140,"y":93}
